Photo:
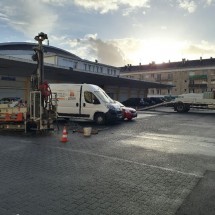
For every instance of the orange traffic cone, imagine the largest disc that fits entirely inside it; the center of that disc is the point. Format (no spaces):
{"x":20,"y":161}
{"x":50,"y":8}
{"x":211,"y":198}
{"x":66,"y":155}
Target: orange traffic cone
{"x":64,"y":138}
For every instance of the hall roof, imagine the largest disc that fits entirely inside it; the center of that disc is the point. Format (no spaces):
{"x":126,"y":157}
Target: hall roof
{"x":29,"y":47}
{"x":10,"y":66}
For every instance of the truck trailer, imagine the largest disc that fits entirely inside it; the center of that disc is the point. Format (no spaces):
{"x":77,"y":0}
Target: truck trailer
{"x":183,"y":103}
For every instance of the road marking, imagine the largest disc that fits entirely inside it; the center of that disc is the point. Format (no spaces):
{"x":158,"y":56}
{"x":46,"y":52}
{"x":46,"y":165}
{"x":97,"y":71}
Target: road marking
{"x":173,"y":143}
{"x":132,"y":162}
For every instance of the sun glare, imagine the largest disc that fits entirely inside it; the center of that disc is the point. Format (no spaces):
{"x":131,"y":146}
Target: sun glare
{"x":158,"y":51}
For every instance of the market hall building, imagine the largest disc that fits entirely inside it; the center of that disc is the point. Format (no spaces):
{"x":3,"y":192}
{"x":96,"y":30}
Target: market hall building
{"x":60,"y":66}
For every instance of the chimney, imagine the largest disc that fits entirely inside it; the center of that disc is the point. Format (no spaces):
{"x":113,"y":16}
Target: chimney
{"x":183,"y":60}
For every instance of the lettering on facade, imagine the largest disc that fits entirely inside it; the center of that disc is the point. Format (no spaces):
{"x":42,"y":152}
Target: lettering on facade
{"x":6,"y":78}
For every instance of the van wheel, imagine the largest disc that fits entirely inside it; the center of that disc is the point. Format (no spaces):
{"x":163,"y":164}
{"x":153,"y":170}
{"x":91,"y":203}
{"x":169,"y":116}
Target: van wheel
{"x":99,"y":118}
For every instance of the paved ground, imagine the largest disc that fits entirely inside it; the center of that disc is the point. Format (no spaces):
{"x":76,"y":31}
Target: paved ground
{"x":151,"y":165}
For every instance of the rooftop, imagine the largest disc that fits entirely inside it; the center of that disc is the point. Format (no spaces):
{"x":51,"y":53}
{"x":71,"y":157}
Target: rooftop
{"x":170,"y":65}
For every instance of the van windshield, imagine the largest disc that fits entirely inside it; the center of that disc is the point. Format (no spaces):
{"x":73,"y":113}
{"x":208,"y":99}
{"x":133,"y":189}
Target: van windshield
{"x":103,"y":96}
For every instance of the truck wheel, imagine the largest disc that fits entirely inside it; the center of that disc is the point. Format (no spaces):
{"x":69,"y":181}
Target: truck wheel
{"x":180,"y":107}
{"x":99,"y":118}
{"x":187,"y":108}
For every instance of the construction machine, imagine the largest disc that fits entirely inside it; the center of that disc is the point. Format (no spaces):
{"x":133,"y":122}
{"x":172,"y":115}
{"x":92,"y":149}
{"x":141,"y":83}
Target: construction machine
{"x":40,"y":111}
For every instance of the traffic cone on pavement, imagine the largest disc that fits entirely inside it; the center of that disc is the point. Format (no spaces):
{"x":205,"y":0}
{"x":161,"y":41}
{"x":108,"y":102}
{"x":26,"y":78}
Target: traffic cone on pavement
{"x":64,"y":137}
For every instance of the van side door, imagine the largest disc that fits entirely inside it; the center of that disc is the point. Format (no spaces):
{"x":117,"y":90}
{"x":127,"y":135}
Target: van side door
{"x":89,"y":104}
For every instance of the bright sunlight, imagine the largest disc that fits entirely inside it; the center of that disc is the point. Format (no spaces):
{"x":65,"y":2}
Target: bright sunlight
{"x":158,"y":50}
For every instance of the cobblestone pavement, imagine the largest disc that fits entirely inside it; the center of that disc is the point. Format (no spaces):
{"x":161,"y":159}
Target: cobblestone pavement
{"x":139,"y":167}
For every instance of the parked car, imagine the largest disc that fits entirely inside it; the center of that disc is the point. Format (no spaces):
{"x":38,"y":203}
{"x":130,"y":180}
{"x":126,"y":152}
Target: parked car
{"x":135,"y":102}
{"x":156,"y":100}
{"x":128,"y":112}
{"x":149,"y":101}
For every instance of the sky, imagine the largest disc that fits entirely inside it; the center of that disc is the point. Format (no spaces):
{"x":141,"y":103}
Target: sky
{"x":115,"y":32}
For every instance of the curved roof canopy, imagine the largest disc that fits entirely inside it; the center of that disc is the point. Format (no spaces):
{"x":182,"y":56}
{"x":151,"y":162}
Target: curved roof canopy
{"x":29,"y":47}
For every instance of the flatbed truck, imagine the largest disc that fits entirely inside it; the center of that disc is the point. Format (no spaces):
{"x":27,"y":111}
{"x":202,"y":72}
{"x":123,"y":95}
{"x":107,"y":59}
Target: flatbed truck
{"x":183,"y":103}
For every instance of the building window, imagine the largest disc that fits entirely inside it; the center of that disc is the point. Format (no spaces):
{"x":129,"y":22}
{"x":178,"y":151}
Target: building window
{"x":158,"y":77}
{"x":89,"y":67}
{"x":158,"y":92}
{"x":85,"y":67}
{"x":101,"y":69}
{"x":191,"y":73}
{"x":191,"y":81}
{"x":170,"y":76}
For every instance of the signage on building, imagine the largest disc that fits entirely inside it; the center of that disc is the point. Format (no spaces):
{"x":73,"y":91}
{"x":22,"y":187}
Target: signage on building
{"x":7,"y":78}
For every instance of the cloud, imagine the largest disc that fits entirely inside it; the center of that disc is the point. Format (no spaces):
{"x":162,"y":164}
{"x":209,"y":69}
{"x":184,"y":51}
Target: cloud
{"x":204,"y":49}
{"x":92,"y":48}
{"x":188,"y":5}
{"x":55,"y":2}
{"x":111,"y":5}
{"x":163,"y":27}
{"x":127,"y":11}
{"x":31,"y":18}
{"x":100,"y":5}
{"x":44,"y":15}
{"x":209,"y":2}
{"x":120,"y":52}
{"x":28,"y":18}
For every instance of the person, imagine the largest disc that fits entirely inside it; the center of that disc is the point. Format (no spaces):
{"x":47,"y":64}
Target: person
{"x":45,"y":92}
{"x":213,"y":93}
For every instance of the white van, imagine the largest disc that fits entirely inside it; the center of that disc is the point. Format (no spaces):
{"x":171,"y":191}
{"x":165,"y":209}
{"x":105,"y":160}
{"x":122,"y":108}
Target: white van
{"x":83,"y":102}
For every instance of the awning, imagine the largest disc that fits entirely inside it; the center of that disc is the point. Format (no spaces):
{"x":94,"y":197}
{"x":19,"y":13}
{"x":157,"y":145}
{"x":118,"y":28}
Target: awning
{"x":10,"y":66}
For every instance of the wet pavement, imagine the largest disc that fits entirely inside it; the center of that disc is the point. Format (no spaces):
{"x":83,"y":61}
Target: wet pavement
{"x":151,"y":165}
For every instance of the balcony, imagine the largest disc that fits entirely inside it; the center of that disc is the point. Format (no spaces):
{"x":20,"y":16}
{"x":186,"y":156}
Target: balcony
{"x":198,"y":77}
{"x":198,"y":86}
{"x":164,"y":79}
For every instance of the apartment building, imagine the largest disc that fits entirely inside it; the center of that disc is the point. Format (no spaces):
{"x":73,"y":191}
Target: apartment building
{"x":188,"y":76}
